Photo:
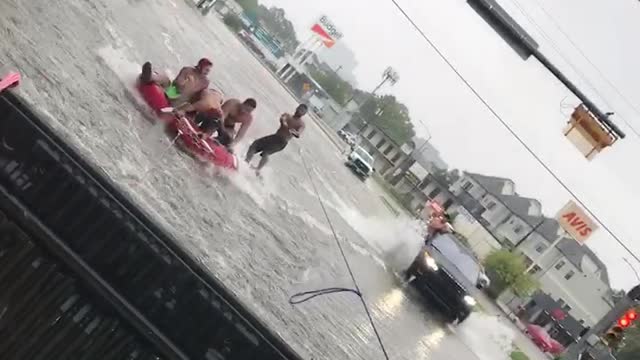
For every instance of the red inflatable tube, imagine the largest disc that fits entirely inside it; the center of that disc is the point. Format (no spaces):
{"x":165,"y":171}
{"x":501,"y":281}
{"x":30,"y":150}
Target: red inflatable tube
{"x":189,"y":134}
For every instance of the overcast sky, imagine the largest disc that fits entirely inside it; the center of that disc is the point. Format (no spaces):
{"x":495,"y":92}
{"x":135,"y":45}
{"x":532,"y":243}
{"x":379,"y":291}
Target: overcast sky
{"x":523,"y":92}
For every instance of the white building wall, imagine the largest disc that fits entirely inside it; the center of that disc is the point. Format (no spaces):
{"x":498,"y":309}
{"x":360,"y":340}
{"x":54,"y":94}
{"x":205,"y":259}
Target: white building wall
{"x":496,"y":212}
{"x":584,"y":292}
{"x":512,"y":231}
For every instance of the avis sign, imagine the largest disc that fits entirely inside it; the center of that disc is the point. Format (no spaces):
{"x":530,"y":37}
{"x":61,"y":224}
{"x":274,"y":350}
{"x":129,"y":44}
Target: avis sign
{"x":576,"y":222}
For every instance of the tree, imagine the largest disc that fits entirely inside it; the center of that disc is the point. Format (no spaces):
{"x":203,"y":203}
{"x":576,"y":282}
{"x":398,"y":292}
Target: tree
{"x":630,"y":350}
{"x":250,"y":8}
{"x":507,"y":270}
{"x":274,"y":19}
{"x":390,"y":116}
{"x":333,"y":84}
{"x":233,"y":22}
{"x":446,"y":177}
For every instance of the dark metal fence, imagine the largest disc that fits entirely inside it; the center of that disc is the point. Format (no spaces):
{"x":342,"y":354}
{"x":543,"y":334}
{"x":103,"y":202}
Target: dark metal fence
{"x":82,"y":269}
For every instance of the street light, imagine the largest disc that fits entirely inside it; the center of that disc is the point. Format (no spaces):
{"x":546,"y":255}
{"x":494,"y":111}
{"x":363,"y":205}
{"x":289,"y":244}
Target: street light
{"x":389,"y":75}
{"x":632,"y":267}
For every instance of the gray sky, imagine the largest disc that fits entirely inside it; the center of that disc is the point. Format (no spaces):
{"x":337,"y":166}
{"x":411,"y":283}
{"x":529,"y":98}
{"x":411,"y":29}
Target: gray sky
{"x":523,"y":93}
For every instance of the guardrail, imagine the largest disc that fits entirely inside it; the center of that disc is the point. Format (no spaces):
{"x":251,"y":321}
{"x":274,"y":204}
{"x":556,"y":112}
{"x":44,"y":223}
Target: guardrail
{"x":87,"y":261}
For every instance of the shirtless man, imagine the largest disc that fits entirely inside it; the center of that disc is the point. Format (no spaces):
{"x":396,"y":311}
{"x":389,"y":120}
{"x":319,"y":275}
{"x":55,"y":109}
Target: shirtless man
{"x":236,"y":112}
{"x":207,"y":109}
{"x":188,"y":84}
{"x":290,"y":126}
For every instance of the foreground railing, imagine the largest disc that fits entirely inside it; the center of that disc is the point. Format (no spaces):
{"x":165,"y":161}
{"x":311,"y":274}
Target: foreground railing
{"x":86,"y":274}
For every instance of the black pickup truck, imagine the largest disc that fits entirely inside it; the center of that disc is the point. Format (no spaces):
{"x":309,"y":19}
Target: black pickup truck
{"x":448,"y":273}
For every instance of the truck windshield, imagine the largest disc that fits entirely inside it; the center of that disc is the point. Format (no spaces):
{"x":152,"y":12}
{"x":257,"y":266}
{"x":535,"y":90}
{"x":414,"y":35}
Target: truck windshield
{"x":459,"y":256}
{"x":364,"y":155}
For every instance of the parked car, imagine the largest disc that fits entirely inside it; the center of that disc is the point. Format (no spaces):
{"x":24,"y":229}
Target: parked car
{"x":361,"y":163}
{"x":446,"y":272}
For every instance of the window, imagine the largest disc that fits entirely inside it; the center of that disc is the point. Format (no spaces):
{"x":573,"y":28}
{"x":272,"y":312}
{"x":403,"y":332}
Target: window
{"x":535,"y":269}
{"x":569,"y":274}
{"x":371,"y":134}
{"x":491,"y":205}
{"x":467,"y":186}
{"x":517,"y":229}
{"x":434,"y":193}
{"x":381,"y":143}
{"x":447,"y":203}
{"x":540,"y":248}
{"x":388,"y":150}
{"x":396,"y":157}
{"x":566,"y":308}
{"x":424,"y":183}
{"x":561,"y":302}
{"x":560,"y":264}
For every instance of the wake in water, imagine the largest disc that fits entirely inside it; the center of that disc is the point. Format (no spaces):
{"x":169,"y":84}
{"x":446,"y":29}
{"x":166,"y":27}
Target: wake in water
{"x":496,"y":342}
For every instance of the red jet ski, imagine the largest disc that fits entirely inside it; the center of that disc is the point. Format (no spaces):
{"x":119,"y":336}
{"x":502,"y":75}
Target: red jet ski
{"x":187,"y":132}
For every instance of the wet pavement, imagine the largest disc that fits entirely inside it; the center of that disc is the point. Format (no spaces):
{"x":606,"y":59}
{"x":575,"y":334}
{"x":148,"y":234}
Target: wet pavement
{"x":265,"y":239}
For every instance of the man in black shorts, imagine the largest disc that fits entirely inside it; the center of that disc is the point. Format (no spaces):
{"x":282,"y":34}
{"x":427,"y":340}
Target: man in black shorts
{"x":290,"y":126}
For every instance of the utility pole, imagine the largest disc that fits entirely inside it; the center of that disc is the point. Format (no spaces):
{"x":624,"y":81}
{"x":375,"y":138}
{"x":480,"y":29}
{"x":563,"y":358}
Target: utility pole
{"x":388,"y":76}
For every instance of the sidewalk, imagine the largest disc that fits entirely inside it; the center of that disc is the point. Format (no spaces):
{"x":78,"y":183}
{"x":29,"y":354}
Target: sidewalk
{"x":520,"y":339}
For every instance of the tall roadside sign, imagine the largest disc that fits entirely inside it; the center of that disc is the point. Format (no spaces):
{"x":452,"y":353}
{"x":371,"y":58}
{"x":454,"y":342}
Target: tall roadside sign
{"x":575,"y":221}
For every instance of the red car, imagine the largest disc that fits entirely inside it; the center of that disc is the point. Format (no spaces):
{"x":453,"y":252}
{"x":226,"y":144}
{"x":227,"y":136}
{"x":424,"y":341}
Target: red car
{"x":543,"y":340}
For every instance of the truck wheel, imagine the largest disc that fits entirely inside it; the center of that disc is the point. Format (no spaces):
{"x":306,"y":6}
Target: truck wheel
{"x":461,"y":317}
{"x":411,"y":271}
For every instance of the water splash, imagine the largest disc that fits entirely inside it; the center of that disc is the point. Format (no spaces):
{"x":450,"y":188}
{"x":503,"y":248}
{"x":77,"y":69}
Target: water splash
{"x":496,"y":342}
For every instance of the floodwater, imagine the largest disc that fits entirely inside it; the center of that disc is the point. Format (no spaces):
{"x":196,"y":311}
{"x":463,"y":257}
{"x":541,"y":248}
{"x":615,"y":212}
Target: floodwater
{"x":265,"y":239}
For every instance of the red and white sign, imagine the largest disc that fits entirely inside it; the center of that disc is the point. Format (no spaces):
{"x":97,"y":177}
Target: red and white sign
{"x":576,"y":222}
{"x":325,"y":29}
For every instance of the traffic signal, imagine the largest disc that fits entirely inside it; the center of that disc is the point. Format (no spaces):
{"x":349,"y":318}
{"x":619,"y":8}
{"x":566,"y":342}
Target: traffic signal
{"x":615,"y":334}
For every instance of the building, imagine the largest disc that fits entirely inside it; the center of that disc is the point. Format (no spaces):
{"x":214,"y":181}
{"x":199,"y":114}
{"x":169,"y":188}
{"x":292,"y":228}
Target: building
{"x":342,"y":60}
{"x":387,"y":154}
{"x":572,"y":278}
{"x":503,"y":210}
{"x":428,"y":156}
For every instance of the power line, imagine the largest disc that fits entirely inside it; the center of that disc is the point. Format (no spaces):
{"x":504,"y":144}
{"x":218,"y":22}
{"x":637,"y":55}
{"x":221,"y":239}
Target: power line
{"x":582,"y":52}
{"x":508,"y":128}
{"x":573,"y":66}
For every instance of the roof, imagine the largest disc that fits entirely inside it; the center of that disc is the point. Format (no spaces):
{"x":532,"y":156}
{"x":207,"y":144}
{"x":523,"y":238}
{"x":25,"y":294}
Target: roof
{"x":492,"y":184}
{"x":575,"y":252}
{"x":520,"y":206}
{"x":516,"y":204}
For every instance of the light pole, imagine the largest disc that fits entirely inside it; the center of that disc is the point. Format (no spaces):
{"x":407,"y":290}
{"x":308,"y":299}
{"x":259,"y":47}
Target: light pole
{"x":389,"y":75}
{"x":632,"y":268}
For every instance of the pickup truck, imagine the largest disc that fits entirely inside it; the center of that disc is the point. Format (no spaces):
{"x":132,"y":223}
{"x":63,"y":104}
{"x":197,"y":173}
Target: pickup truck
{"x":361,"y":163}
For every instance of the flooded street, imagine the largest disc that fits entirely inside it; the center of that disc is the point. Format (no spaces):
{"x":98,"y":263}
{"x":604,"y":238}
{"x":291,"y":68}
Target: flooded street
{"x":265,"y":240}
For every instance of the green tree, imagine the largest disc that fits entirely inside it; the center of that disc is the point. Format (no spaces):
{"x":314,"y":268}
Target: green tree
{"x":274,"y":19}
{"x":233,"y":22}
{"x":250,"y":8}
{"x":446,"y":177}
{"x":507,"y":270}
{"x":389,"y":115}
{"x":333,"y":84}
{"x":630,"y":350}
